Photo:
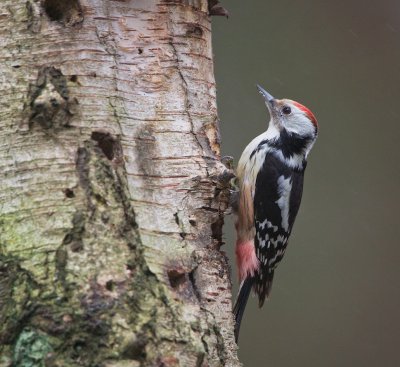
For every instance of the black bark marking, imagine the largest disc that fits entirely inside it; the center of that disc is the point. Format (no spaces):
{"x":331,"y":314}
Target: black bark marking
{"x":49,"y":104}
{"x":136,"y":349}
{"x":216,"y":229}
{"x":194,"y":29}
{"x":193,"y":282}
{"x":82,"y":168}
{"x":74,"y":237}
{"x":61,"y":259}
{"x":16,"y":287}
{"x":176,"y":216}
{"x":33,"y":11}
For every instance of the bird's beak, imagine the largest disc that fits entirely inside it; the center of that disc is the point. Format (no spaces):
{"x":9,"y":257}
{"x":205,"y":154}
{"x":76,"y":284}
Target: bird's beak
{"x":268,"y":98}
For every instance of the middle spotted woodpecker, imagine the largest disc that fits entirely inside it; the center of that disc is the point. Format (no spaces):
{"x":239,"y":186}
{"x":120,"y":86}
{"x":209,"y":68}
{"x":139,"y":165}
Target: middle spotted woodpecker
{"x":270,"y":177}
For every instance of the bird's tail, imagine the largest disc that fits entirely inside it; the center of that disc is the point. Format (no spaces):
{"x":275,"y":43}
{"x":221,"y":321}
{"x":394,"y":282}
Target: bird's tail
{"x":241,"y":302}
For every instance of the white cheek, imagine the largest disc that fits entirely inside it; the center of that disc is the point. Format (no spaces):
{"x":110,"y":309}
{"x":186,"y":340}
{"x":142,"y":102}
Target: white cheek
{"x":299,"y":124}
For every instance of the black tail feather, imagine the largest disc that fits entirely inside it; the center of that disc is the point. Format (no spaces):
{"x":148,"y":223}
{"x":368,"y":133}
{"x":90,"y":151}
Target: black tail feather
{"x":263,"y":288}
{"x":241,"y":302}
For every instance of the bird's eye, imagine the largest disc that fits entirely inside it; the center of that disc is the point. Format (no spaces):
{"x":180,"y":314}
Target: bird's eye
{"x":286,"y":110}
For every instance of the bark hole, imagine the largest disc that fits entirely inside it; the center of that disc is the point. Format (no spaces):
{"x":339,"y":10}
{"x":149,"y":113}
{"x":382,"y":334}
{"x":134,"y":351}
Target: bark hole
{"x":176,"y":278}
{"x":108,"y":144}
{"x":69,"y":193}
{"x":110,"y":285}
{"x":66,"y":11}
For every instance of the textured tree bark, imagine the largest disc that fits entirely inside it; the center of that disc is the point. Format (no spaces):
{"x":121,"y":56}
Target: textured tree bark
{"x":112,"y":195}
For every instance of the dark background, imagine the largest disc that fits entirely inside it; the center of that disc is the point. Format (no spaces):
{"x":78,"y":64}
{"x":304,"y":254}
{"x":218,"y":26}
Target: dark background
{"x":336,"y":295}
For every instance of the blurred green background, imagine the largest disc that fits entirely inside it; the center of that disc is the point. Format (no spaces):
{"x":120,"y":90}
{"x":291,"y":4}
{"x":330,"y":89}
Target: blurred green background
{"x":336,"y":295}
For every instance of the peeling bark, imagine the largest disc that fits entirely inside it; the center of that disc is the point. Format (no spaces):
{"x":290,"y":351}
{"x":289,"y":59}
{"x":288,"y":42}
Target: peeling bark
{"x":112,"y":194}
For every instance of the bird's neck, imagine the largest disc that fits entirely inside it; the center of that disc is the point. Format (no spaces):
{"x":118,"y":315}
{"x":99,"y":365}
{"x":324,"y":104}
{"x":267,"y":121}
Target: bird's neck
{"x":291,"y":147}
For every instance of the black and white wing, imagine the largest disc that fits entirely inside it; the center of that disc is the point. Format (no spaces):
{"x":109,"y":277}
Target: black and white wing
{"x":276,"y":202}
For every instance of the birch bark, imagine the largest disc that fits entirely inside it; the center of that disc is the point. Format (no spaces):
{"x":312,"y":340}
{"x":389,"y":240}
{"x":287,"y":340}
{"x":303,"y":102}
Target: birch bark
{"x":112,"y":195}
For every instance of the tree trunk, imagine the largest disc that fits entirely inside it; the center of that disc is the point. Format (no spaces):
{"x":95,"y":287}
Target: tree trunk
{"x":112,"y":195}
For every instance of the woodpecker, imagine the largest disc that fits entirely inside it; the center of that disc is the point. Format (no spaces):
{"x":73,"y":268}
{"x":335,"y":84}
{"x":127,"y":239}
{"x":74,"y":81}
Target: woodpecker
{"x":270,"y":176}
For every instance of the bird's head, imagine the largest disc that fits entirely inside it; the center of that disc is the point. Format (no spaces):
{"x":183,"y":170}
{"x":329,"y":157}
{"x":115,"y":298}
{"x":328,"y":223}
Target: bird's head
{"x":290,"y":116}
